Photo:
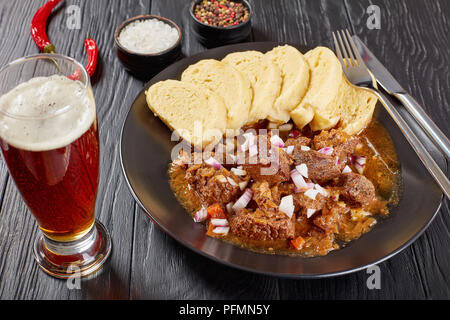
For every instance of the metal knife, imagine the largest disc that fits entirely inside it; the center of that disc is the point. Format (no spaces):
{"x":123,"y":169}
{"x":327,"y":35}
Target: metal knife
{"x":391,"y":86}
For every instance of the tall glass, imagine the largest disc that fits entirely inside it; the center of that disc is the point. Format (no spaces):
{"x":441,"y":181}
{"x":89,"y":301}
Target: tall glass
{"x":49,"y":140}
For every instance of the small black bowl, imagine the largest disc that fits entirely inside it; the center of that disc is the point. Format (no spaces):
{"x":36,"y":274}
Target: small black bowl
{"x":145,"y":66}
{"x":212,"y":36}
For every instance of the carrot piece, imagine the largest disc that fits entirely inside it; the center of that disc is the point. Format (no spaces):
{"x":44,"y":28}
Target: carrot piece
{"x":216,"y":211}
{"x":210,"y":230}
{"x":298,"y":243}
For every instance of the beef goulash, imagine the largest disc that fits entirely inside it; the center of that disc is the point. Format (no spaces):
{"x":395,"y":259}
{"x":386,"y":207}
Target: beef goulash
{"x":305,"y":170}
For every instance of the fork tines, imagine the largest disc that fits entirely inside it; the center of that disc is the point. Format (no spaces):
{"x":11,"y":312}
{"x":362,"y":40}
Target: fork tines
{"x":346,"y":49}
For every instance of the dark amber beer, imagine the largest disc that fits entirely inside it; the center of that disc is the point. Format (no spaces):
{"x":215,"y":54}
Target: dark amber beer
{"x":60,"y":185}
{"x":50,"y":142}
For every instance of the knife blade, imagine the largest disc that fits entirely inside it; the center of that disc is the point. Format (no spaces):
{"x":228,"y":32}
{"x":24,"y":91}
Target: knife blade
{"x":383,"y":76}
{"x":391,"y":86}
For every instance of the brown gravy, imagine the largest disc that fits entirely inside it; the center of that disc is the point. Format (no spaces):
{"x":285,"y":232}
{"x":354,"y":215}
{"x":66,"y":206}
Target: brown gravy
{"x":382,"y":169}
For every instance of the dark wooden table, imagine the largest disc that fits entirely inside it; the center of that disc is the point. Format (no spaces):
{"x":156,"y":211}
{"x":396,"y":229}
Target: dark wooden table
{"x":413,"y":42}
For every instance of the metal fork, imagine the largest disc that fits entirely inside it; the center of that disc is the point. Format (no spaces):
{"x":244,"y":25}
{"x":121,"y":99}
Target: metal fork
{"x":359,"y":76}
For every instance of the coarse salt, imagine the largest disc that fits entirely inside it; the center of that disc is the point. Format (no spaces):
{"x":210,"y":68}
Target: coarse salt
{"x":148,"y":36}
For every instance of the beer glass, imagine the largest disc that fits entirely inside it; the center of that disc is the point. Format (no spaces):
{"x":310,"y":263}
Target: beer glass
{"x":49,"y":140}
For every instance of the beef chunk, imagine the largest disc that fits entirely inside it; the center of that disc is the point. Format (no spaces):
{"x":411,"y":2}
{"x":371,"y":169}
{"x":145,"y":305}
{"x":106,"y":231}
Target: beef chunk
{"x":298,"y":142}
{"x":321,"y":167}
{"x":262,"y":225}
{"x":302,"y":203}
{"x":265,"y":197}
{"x":342,"y":143}
{"x":211,"y":185}
{"x":356,"y":189}
{"x":271,"y":164}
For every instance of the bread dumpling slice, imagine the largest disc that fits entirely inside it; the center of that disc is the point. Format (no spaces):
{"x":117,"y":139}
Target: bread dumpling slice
{"x":320,"y":106}
{"x":295,"y":74}
{"x":357,"y":107}
{"x":265,"y":78}
{"x":197,"y":114}
{"x":234,"y":88}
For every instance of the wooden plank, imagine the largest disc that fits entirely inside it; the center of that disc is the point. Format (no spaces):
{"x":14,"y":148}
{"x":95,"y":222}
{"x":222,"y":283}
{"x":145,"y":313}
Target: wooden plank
{"x":413,"y":45}
{"x":300,"y":22}
{"x":20,"y":277}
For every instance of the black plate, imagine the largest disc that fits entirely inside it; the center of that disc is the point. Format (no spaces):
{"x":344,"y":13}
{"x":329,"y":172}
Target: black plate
{"x":145,"y":154}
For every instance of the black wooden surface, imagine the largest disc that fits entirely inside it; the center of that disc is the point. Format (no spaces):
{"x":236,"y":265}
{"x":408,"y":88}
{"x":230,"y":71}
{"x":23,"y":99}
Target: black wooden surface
{"x":413,"y":43}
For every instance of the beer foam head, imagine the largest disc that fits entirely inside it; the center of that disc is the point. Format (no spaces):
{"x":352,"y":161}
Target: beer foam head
{"x":46,"y":113}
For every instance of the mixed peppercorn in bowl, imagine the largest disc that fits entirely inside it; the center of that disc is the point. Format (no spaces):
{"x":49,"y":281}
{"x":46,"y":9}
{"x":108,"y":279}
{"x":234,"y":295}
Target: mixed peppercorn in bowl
{"x":220,"y":22}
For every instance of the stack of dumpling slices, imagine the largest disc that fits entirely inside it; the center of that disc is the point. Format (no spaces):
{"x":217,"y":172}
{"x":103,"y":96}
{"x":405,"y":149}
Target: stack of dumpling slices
{"x":214,"y":97}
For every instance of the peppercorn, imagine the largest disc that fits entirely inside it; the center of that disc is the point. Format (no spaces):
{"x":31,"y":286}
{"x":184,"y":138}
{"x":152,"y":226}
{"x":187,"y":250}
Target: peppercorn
{"x":221,"y":13}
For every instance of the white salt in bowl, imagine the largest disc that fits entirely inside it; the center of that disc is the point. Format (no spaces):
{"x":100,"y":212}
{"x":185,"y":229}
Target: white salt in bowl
{"x":146,"y":44}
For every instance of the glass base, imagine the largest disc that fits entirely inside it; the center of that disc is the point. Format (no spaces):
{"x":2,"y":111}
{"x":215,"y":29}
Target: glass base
{"x":76,"y":258}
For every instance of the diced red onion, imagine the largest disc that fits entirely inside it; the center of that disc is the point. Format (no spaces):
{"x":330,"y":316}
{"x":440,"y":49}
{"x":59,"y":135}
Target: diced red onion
{"x":289,"y":149}
{"x":326,"y":151}
{"x":232,"y":182}
{"x":298,"y":179}
{"x":219,"y":222}
{"x":360,"y":160}
{"x":243,"y":200}
{"x":351,"y":159}
{"x":213,"y":163}
{"x":200,"y":215}
{"x":347,"y":169}
{"x":287,"y":205}
{"x":243,"y":184}
{"x":310,"y":212}
{"x":303,"y":170}
{"x":221,"y":230}
{"x":277,"y":141}
{"x":305,"y":148}
{"x":311,"y":193}
{"x":310,"y":185}
{"x":294,"y":134}
{"x":321,"y":190}
{"x":249,"y":141}
{"x":253,"y":150}
{"x":338,"y":162}
{"x":250,"y":137}
{"x":238,"y":172}
{"x":286,"y":127}
{"x":359,"y":168}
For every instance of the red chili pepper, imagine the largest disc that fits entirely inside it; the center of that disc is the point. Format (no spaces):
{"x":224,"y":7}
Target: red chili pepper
{"x":39,"y":25}
{"x":92,"y":54}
